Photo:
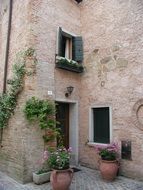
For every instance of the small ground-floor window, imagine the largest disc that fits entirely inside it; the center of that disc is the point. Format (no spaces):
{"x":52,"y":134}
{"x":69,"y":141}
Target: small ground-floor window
{"x":100,"y":131}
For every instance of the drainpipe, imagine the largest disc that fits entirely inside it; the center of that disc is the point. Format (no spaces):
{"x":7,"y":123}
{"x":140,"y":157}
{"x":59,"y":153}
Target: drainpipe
{"x":7,"y":46}
{"x":7,"y":55}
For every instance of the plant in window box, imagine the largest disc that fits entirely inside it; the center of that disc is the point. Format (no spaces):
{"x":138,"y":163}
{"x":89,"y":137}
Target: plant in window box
{"x":59,"y":161}
{"x":68,"y":64}
{"x":109,"y":160}
{"x":43,"y":174}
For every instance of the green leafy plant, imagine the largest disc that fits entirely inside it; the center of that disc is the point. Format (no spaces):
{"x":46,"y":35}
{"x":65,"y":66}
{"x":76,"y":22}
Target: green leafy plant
{"x":8,"y":100}
{"x":70,"y":63}
{"x":41,"y":171}
{"x":108,"y":152}
{"x":58,"y":159}
{"x":42,"y":111}
{"x":29,"y":52}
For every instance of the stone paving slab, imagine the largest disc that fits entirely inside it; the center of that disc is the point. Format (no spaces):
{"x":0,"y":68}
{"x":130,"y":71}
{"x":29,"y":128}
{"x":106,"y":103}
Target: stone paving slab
{"x":86,"y":179}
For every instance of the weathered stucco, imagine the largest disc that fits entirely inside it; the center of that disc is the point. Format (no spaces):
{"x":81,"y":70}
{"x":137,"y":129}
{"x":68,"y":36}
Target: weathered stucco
{"x":113,"y":40}
{"x":113,"y":60}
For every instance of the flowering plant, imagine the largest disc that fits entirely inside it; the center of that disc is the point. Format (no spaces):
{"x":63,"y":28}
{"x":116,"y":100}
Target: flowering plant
{"x":108,"y":152}
{"x":58,"y":159}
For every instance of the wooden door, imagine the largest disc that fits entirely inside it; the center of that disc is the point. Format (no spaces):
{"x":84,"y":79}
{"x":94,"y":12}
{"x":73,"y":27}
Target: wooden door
{"x":62,"y":117}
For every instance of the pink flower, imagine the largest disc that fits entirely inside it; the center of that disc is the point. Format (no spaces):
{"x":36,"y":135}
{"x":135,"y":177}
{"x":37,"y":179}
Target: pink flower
{"x":45,"y":155}
{"x":70,"y":149}
{"x":110,"y":150}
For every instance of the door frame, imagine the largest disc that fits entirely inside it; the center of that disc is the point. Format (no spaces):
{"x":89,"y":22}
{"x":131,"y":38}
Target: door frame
{"x":73,"y":126}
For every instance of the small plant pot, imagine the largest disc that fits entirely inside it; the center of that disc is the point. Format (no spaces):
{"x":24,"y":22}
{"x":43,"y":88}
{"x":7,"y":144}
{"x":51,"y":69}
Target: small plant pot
{"x":41,"y":178}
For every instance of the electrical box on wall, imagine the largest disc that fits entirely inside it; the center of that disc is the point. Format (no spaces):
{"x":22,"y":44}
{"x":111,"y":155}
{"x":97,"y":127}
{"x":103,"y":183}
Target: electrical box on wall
{"x":126,"y":150}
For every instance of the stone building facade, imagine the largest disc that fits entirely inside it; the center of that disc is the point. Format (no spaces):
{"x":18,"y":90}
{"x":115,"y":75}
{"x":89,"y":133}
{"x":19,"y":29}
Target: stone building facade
{"x":112,"y":38}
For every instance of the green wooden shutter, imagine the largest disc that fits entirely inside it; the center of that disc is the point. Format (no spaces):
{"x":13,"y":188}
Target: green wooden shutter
{"x":77,"y":49}
{"x":101,"y":125}
{"x":60,"y":39}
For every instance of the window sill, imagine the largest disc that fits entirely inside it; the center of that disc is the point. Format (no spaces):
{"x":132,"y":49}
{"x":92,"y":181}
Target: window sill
{"x":93,"y":144}
{"x":69,"y":65}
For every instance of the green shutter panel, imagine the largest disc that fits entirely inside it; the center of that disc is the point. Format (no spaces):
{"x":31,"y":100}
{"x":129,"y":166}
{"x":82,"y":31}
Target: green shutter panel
{"x":60,"y":39}
{"x":101,"y":125}
{"x":77,"y":49}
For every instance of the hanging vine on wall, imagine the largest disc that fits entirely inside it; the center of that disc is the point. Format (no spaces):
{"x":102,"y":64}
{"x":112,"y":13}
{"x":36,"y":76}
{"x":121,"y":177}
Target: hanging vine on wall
{"x":43,"y":111}
{"x":8,"y":101}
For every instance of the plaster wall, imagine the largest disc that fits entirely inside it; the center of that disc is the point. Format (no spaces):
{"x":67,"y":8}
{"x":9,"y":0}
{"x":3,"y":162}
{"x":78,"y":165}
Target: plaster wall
{"x":113,"y":42}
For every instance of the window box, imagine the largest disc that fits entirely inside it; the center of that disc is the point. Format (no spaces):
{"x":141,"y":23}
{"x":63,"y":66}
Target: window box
{"x":69,"y":65}
{"x":41,"y":178}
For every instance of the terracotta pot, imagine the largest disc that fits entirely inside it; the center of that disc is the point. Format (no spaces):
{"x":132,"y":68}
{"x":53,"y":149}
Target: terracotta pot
{"x":61,"y":179}
{"x":109,"y":169}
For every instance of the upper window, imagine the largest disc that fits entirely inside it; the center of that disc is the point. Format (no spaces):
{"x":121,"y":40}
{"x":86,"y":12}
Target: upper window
{"x":66,"y":46}
{"x":101,"y":125}
{"x":69,"y":46}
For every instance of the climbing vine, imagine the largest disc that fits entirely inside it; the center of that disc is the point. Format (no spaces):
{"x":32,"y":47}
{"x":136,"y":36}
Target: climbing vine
{"x":8,"y":100}
{"x":43,"y":111}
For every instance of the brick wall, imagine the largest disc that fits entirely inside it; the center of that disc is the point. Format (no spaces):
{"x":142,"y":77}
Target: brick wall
{"x":50,"y":15}
{"x":14,"y":155}
{"x":35,"y":24}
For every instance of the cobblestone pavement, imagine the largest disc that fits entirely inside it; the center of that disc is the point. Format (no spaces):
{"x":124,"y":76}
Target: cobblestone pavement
{"x":86,"y":179}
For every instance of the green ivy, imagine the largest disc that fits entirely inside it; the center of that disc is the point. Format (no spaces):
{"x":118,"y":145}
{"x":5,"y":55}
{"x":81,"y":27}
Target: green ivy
{"x":29,"y":52}
{"x":8,"y":100}
{"x":42,"y":111}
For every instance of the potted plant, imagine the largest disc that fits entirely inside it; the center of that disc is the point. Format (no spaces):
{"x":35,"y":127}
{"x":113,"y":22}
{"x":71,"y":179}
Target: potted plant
{"x":109,"y":160}
{"x":62,"y":174}
{"x":42,"y":175}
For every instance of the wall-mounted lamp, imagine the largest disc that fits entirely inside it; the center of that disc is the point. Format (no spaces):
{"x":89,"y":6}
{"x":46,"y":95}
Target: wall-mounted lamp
{"x":78,"y":1}
{"x":69,"y":91}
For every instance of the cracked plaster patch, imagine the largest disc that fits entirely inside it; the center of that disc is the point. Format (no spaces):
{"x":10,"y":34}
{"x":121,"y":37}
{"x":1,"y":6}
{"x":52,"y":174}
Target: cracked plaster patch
{"x":121,"y":62}
{"x":105,"y":64}
{"x":115,"y":47}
